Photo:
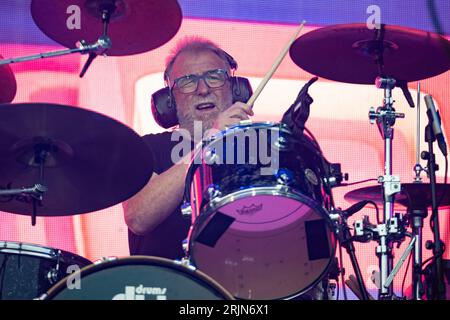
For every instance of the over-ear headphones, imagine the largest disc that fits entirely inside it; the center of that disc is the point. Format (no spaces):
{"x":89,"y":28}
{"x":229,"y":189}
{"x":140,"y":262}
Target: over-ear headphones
{"x":163,"y":103}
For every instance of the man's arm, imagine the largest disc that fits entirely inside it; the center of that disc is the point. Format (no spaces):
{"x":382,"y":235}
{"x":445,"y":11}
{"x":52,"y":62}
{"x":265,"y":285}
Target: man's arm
{"x":157,"y":200}
{"x":163,"y":193}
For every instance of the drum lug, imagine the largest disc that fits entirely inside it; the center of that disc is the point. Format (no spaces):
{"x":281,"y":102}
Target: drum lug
{"x":281,"y":143}
{"x":213,"y":192}
{"x":52,"y":276}
{"x":211,"y":157}
{"x":185,"y":247}
{"x":285,"y":177}
{"x":186,"y":210}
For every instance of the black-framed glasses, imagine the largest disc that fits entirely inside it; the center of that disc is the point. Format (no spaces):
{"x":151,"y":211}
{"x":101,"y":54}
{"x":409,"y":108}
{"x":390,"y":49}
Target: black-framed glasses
{"x":213,"y":79}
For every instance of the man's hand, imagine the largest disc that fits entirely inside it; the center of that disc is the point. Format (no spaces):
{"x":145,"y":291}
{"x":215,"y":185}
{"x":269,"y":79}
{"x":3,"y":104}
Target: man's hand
{"x":233,"y":115}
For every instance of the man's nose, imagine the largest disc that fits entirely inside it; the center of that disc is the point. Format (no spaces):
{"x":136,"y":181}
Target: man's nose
{"x":202,"y":87}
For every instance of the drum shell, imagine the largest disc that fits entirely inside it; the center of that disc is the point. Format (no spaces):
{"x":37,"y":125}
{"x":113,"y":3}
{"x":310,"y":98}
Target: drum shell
{"x":295,"y":166}
{"x":138,"y":278}
{"x":234,"y":252}
{"x":28,"y":270}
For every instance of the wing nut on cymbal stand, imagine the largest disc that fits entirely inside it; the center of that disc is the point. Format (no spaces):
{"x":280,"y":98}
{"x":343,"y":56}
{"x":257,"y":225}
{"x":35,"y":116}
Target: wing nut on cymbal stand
{"x":36,"y":192}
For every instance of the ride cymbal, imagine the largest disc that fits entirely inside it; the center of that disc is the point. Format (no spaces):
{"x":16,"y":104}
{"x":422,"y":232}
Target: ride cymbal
{"x":135,"y":26}
{"x":353,"y":53}
{"x":89,"y":161}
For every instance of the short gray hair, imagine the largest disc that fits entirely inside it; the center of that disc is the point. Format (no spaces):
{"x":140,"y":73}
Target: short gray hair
{"x":196,"y":44}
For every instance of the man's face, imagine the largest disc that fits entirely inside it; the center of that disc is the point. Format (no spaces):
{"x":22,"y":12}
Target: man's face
{"x":204,"y":104}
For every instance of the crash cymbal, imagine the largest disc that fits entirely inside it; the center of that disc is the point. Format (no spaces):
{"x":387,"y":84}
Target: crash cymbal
{"x":349,"y":53}
{"x":135,"y":26}
{"x":8,"y":85}
{"x":412,"y":195}
{"x":92,"y":161}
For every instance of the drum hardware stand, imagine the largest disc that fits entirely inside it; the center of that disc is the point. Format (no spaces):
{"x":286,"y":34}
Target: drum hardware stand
{"x":417,"y":167}
{"x":100,"y":47}
{"x":339,"y":219}
{"x":385,"y":118}
{"x":41,"y":152}
{"x":416,"y":217}
{"x":438,"y":285}
{"x":394,"y":230}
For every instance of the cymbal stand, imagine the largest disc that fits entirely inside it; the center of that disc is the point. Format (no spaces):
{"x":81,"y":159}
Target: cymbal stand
{"x":385,"y":118}
{"x":36,"y":193}
{"x":417,"y":167}
{"x":100,"y":47}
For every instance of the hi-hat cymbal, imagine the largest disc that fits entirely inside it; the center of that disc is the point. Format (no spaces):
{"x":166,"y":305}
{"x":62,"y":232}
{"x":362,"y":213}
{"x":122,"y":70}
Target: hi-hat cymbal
{"x":8,"y":85}
{"x":135,"y":26}
{"x":412,"y":195}
{"x":92,"y":161}
{"x":349,"y":53}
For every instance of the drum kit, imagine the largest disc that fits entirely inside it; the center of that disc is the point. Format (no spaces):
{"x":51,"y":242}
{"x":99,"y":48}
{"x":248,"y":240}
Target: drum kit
{"x":252,"y":235}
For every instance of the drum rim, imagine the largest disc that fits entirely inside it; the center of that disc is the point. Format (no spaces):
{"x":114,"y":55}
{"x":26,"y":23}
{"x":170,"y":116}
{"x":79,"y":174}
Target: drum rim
{"x":296,"y":196}
{"x":273,"y":125}
{"x":36,"y":250}
{"x":276,"y":190}
{"x":153,"y":261}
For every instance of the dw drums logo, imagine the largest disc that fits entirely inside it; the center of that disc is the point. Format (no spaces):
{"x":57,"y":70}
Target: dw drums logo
{"x":139,"y":293}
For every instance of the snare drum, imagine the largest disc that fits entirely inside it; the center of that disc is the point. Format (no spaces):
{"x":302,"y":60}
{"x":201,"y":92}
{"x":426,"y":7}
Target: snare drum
{"x":259,"y":226}
{"x":29,"y":270}
{"x":138,"y":278}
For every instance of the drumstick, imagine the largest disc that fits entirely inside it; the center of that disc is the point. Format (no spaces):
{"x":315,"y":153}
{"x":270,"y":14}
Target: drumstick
{"x":352,"y":283}
{"x":272,"y":70}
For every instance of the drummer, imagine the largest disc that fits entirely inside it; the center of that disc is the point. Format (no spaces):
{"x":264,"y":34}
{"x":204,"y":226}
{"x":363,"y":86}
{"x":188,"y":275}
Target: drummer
{"x":156,"y":226}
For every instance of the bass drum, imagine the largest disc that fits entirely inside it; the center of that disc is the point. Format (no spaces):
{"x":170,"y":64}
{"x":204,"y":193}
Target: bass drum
{"x":259,"y":226}
{"x":138,"y":278}
{"x":28,"y":270}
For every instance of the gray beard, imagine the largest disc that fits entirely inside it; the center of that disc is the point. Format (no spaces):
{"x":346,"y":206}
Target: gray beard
{"x":187,"y":122}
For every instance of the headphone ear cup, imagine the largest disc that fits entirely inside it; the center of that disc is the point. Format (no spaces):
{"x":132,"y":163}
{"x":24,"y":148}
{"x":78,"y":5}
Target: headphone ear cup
{"x":241,"y":89}
{"x":164,"y":109}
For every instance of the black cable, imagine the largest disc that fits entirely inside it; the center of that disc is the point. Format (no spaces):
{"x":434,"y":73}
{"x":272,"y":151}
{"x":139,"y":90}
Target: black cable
{"x":313,"y":138}
{"x":341,"y":268}
{"x":433,"y":257}
{"x":376,"y":209}
{"x":442,"y":195}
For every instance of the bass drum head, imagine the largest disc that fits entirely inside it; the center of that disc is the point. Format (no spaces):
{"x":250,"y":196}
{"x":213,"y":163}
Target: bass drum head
{"x":138,"y":278}
{"x":265,"y":258}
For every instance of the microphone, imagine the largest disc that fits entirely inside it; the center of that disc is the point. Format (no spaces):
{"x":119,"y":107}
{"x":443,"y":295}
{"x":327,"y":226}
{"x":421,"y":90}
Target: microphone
{"x":433,"y":115}
{"x":297,"y":114}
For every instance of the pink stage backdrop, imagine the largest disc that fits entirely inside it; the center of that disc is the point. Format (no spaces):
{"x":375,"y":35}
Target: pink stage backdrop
{"x":120,"y":87}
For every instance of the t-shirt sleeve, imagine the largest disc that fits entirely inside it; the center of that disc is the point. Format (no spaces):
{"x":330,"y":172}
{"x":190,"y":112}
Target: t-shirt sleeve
{"x":159,"y":146}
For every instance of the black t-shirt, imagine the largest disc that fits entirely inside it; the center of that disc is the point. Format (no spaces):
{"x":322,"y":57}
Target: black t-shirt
{"x":166,"y":239}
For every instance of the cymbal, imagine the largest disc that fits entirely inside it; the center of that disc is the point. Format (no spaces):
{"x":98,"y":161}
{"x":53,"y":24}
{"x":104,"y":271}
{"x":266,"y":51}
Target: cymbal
{"x":348,"y":53}
{"x":92,"y":162}
{"x":412,"y":195}
{"x":136,"y":26}
{"x":8,"y":85}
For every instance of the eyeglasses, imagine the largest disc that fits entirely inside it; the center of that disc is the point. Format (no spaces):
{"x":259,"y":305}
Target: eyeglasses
{"x":213,"y":79}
